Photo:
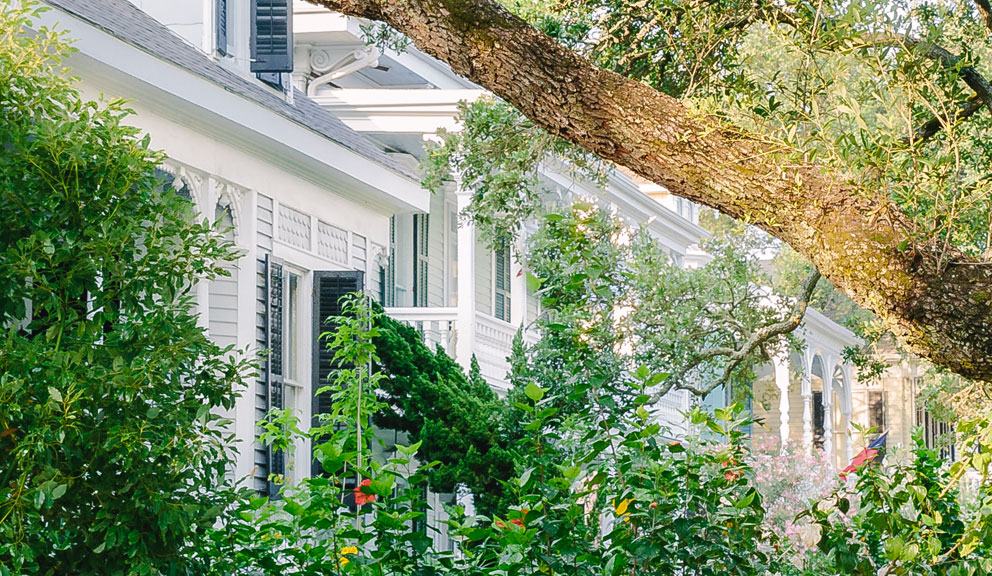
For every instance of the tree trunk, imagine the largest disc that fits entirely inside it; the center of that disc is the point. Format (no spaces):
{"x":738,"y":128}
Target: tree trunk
{"x":937,"y":302}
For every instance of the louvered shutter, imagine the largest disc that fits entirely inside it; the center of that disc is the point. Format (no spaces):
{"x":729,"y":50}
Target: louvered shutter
{"x":220,"y":18}
{"x":328,"y":288}
{"x":271,"y":36}
{"x":269,"y":329}
{"x":421,"y":225}
{"x":276,"y":363}
{"x":502,"y":310}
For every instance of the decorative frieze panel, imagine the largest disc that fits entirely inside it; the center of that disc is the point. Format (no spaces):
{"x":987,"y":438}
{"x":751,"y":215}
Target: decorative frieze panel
{"x":188,"y":181}
{"x":294,"y":227}
{"x":332,"y":243}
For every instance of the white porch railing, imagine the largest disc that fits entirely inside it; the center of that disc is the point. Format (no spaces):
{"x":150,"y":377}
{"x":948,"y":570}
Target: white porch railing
{"x":436,"y":325}
{"x":493,"y":340}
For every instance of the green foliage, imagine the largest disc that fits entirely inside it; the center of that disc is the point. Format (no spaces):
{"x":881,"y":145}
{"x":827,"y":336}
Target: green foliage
{"x":789,"y":267}
{"x":363,"y":513}
{"x":497,"y":155}
{"x":881,"y":93}
{"x":908,"y":520}
{"x":679,"y":47}
{"x":615,"y":302}
{"x":112,"y":453}
{"x":456,"y":420}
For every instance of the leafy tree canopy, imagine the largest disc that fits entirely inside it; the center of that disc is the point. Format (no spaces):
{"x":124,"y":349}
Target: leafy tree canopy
{"x":112,"y":455}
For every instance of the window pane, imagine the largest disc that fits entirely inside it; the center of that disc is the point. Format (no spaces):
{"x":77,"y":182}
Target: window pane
{"x":292,"y":327}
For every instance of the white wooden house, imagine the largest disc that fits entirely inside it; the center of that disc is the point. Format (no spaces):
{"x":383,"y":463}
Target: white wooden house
{"x":280,"y":121}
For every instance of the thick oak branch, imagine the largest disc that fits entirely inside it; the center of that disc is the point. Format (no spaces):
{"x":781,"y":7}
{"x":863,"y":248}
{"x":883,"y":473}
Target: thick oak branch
{"x":938,"y":307}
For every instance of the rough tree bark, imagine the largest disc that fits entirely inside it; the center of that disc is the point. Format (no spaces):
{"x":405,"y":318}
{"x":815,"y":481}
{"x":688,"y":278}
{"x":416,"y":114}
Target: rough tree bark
{"x":936,"y":301}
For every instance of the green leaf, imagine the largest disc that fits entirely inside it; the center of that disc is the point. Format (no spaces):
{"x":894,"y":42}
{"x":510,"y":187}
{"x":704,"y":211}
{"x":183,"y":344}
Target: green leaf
{"x":525,"y":477}
{"x":59,"y":491}
{"x":55,"y":394}
{"x":746,"y":500}
{"x":409,"y":450}
{"x":534,"y":392}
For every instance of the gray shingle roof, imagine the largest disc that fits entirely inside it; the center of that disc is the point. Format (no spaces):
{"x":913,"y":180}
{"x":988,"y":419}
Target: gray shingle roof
{"x":126,"y":22}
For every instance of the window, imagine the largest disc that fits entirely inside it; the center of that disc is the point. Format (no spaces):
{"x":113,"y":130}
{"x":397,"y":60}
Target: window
{"x":818,"y":431}
{"x":451,"y":258}
{"x":501,"y":306}
{"x":292,"y":329}
{"x":936,"y":434}
{"x":876,"y":410}
{"x":388,"y":272}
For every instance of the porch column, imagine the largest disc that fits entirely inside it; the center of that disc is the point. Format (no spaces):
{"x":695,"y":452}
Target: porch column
{"x":847,"y":406}
{"x":848,"y":445}
{"x":465,"y":322}
{"x":208,"y":204}
{"x":781,"y":363}
{"x":518,"y":282}
{"x":828,"y":416}
{"x":807,"y":392}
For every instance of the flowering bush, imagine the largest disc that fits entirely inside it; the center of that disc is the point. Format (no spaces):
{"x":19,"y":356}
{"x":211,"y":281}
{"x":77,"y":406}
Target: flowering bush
{"x":789,"y":481}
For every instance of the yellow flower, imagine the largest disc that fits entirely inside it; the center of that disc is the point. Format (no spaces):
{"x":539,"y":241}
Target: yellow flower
{"x":621,"y":508}
{"x":344,"y":553}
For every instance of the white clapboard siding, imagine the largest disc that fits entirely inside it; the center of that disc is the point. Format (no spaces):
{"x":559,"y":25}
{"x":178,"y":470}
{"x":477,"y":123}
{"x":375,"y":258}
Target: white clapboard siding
{"x":223,"y":290}
{"x":483,"y":278}
{"x":435,"y":252}
{"x":265,"y":231}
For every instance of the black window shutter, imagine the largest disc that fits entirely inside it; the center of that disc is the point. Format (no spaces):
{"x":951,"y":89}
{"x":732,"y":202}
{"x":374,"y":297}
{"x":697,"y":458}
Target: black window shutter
{"x":260,"y":456}
{"x":220,"y":17}
{"x":271,"y":36}
{"x":269,"y":386}
{"x":328,"y":288}
{"x":276,"y":458}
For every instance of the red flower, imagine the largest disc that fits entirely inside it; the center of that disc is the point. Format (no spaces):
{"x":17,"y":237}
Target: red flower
{"x":361,"y":498}
{"x":516,"y":522}
{"x":731,"y":475}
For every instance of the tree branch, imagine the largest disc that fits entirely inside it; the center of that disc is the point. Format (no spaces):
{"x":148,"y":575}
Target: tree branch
{"x":986,"y":9}
{"x":934,"y":125}
{"x":974,"y":79}
{"x":937,"y":307}
{"x":735,"y":357}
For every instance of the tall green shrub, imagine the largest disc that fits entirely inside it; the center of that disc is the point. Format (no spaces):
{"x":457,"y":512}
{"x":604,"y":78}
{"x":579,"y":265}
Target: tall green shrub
{"x":111,"y":455}
{"x":458,"y":419}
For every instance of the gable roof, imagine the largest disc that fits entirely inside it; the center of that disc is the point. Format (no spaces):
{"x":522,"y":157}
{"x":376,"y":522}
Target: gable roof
{"x":128,"y":23}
